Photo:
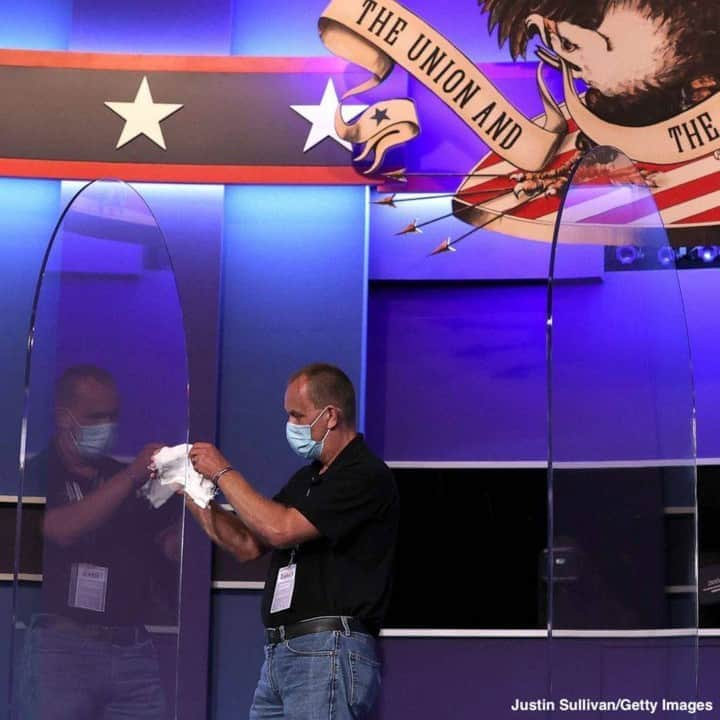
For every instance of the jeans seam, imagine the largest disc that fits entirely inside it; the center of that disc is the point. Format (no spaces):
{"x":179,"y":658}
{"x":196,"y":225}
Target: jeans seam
{"x":333,"y":674}
{"x":271,"y":678}
{"x":352,"y":677}
{"x":306,"y":653}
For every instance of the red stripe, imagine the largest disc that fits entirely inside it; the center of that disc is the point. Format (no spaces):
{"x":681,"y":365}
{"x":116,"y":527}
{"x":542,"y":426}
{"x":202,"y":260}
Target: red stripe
{"x":625,"y":213}
{"x":537,"y":208}
{"x":664,"y":199}
{"x":632,"y":211}
{"x":546,"y":205}
{"x":173,"y":63}
{"x":707,"y":216}
{"x":214,"y":174}
{"x":478,"y":193}
{"x":484,"y":192}
{"x":533,"y":209}
{"x":494,"y":158}
{"x":688,"y":191}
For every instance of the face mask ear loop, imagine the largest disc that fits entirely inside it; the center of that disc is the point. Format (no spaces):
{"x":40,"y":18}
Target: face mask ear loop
{"x":320,"y":414}
{"x":71,"y":416}
{"x":76,"y":424}
{"x":327,"y":432}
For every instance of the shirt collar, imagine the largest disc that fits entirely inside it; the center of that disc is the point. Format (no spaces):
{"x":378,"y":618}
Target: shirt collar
{"x":347,"y":455}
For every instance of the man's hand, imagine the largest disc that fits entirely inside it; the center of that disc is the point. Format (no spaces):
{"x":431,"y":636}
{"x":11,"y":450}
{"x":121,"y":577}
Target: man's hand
{"x":268,"y":524}
{"x":139,"y":468}
{"x":207,"y":459}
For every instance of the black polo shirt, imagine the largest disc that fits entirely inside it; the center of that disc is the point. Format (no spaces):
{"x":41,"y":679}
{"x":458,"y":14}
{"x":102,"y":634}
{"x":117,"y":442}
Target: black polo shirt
{"x":348,"y":570}
{"x":142,"y":582}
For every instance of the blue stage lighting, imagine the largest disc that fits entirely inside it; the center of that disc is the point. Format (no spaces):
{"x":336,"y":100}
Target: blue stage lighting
{"x":666,"y":255}
{"x":627,"y":254}
{"x":707,"y":253}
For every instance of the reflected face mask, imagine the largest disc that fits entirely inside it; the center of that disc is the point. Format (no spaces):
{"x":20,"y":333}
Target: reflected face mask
{"x":300,"y":439}
{"x":93,"y":441}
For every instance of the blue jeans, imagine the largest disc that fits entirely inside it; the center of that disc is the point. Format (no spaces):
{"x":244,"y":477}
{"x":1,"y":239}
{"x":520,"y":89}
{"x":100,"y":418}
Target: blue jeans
{"x":69,"y":677}
{"x":320,"y":676}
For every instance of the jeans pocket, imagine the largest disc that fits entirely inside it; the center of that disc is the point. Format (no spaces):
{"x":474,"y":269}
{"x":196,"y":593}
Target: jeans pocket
{"x":312,"y":645}
{"x":364,"y":683}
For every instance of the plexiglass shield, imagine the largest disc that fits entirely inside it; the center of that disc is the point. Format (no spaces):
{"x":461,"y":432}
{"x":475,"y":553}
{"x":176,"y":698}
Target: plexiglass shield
{"x":98,"y":557}
{"x":621,"y":562}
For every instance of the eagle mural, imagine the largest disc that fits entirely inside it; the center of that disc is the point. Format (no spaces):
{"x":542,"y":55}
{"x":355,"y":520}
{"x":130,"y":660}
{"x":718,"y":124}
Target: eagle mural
{"x":643,"y":62}
{"x":639,"y":75}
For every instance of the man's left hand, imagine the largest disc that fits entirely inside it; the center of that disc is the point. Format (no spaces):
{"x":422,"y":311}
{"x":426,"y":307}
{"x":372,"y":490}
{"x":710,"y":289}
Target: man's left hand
{"x":207,"y":459}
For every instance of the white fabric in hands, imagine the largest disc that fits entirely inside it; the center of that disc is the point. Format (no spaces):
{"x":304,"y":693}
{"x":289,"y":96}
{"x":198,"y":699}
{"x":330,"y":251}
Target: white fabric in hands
{"x":174,"y":471}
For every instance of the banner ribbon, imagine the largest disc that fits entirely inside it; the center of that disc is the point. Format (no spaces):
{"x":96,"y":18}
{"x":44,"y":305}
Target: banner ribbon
{"x":377,"y":35}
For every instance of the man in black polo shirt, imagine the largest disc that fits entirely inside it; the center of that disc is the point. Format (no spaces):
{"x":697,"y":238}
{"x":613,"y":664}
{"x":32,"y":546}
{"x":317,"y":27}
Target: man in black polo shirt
{"x":108,"y":557}
{"x":332,"y":532}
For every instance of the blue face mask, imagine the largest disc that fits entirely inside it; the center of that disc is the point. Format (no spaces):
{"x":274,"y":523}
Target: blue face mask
{"x":93,"y":441}
{"x":300,"y":439}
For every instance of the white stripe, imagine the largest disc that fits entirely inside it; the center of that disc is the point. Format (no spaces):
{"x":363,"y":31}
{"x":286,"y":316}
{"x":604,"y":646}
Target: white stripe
{"x":617,"y":197}
{"x":669,"y":462}
{"x":217,"y":585}
{"x":27,"y":499}
{"x":667,"y":180}
{"x":163,"y":629}
{"x":675,"y":213}
{"x":466,"y":464}
{"x":25,"y":577}
{"x":672,"y":632}
{"x":237,"y":585}
{"x":436,"y":633}
{"x":543,"y":634}
{"x":540,"y":464}
{"x":450,"y":633}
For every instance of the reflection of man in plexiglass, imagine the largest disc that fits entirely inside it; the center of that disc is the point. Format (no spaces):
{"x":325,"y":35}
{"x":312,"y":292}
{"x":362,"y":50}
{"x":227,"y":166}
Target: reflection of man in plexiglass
{"x":88,"y":654}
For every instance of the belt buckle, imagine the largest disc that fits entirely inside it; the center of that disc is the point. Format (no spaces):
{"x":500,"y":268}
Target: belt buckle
{"x":276,"y":635}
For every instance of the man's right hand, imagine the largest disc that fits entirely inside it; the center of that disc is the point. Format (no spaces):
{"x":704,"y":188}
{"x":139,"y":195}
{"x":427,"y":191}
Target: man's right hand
{"x":139,"y":468}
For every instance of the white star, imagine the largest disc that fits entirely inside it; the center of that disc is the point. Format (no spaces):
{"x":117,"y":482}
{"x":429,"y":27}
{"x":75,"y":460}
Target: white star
{"x":142,"y":116}
{"x":322,"y":117}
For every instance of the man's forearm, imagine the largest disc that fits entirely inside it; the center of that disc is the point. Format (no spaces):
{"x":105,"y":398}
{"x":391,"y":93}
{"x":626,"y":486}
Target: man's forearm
{"x":273,"y":524}
{"x":64,"y":525}
{"x":266,"y":519}
{"x":228,"y":531}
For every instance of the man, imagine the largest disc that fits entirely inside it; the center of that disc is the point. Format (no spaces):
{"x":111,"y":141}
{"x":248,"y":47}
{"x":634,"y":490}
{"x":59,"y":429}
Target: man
{"x":109,"y":564}
{"x":332,"y":532}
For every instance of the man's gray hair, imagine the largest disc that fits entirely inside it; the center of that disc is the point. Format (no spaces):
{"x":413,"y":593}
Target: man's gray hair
{"x":329,"y":385}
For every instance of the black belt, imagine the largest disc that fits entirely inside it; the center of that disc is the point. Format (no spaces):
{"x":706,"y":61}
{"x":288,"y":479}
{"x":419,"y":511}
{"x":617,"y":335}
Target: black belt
{"x":315,"y":625}
{"x":115,"y":634}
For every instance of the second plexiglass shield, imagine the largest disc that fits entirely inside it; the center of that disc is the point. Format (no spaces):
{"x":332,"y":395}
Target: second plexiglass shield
{"x":97,"y":628}
{"x":620,"y":566}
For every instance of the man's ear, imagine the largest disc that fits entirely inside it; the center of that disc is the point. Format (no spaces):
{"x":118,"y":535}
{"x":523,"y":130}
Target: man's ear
{"x":333,"y":418}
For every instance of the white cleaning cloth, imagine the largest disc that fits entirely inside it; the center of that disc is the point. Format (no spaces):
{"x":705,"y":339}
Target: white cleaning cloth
{"x":174,"y":471}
